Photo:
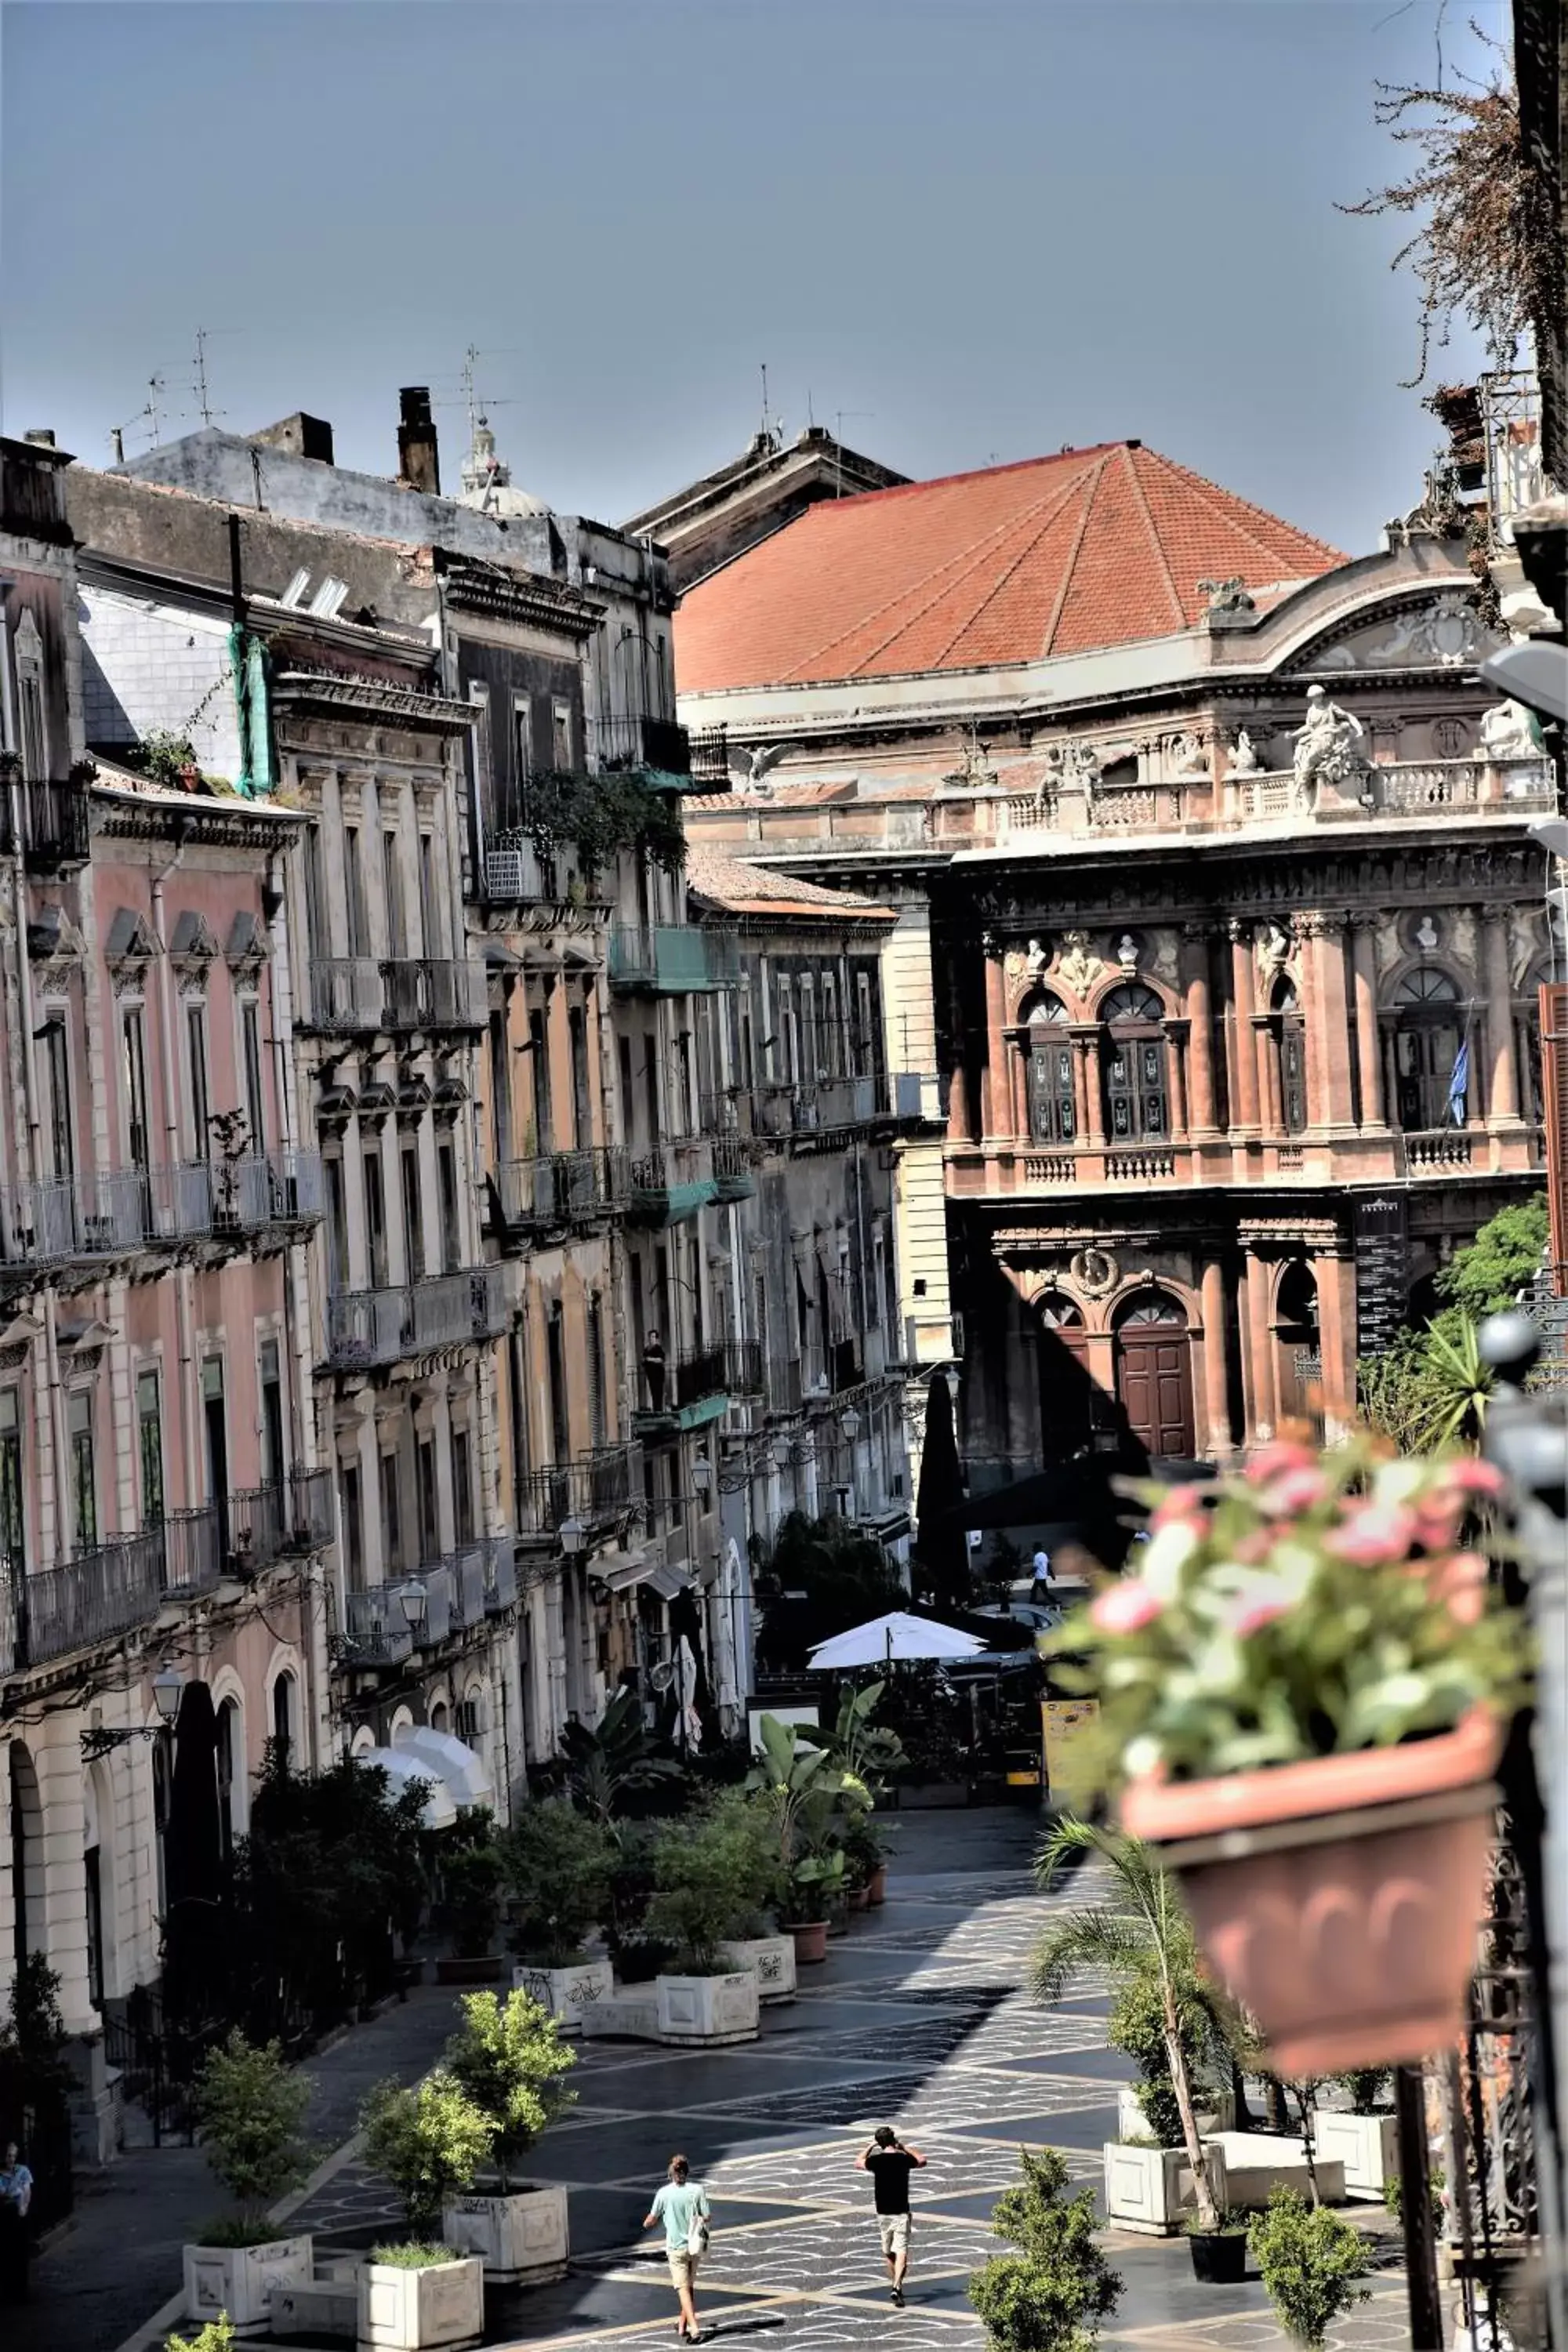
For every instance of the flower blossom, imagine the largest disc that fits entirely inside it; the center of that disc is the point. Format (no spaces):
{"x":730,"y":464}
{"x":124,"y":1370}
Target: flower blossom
{"x":1297,"y":1490}
{"x":1375,"y":1534}
{"x":1273,"y":1460}
{"x":1178,"y":1506}
{"x":1461,"y":1581}
{"x":1125,"y":1608}
{"x":1468,"y":1477}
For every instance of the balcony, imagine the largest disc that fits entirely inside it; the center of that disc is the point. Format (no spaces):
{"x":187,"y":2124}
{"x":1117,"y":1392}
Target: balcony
{"x":684,"y":1391}
{"x":514,"y":874}
{"x":378,"y":1632}
{"x":710,"y":759}
{"x":370,"y":1327}
{"x":561,"y":1190}
{"x":288,"y":1519}
{"x":594,"y":1491}
{"x":473,"y":1583}
{"x":786,"y":1389}
{"x":98,"y":1597}
{"x":362,"y":996}
{"x":626,"y":742}
{"x":56,"y":822}
{"x":672,"y":1181}
{"x":115,"y":1213}
{"x":672,"y":958}
{"x":193,"y":1558}
{"x":732,"y":1174}
{"x":1423,"y":1149}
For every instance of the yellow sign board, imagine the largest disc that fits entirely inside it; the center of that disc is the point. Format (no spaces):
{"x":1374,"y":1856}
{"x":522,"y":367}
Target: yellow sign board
{"x":1068,"y":1726}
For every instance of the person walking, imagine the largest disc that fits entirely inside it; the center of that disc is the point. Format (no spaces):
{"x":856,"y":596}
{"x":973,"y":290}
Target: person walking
{"x":683,"y":2206}
{"x":1040,"y":1582}
{"x":889,"y":2161}
{"x":15,"y":2196}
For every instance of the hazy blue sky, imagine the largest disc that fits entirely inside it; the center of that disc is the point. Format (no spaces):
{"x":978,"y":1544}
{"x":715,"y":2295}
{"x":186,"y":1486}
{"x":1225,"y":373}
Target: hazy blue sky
{"x":981,"y":229}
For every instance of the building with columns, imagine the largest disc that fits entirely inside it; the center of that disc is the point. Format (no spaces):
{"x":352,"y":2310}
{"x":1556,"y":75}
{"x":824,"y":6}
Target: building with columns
{"x":1234,"y":919}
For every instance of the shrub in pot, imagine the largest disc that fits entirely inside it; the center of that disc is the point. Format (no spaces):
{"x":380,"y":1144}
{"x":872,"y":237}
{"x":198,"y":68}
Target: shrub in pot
{"x":711,"y":1874}
{"x":250,"y":2114}
{"x":427,"y":2143}
{"x":559,"y":1868}
{"x":216,"y":2335}
{"x":473,"y":1876}
{"x":1310,"y":2261}
{"x":1305,"y":1644}
{"x":1052,"y":2293}
{"x":1219,"y":2255}
{"x":800,"y":1784}
{"x":509,"y":2059}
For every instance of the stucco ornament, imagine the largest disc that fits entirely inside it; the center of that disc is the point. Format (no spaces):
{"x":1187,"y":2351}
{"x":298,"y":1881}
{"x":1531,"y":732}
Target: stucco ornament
{"x":1508,"y":733}
{"x":1079,"y":966}
{"x":1328,"y":746}
{"x":1036,"y":960}
{"x":1273,"y":946}
{"x":750,"y":768}
{"x":1189,"y":755}
{"x":1095,"y":1271}
{"x":1244,"y":759}
{"x":1445,"y":630}
{"x":1127,"y":951}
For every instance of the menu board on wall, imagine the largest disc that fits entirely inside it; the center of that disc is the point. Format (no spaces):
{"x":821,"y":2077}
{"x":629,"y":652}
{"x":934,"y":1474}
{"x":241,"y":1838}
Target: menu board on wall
{"x":1382,"y":1230}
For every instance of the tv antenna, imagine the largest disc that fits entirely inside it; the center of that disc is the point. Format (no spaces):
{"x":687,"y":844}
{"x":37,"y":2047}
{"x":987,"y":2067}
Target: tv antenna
{"x":838,"y":417}
{"x":772,"y":426}
{"x":148,"y":417}
{"x":201,"y":390}
{"x":469,"y":396}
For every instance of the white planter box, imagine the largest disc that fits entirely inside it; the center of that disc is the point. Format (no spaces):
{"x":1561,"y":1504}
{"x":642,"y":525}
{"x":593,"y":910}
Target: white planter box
{"x":630,"y":2014}
{"x":240,"y":2280}
{"x":1149,"y":2190}
{"x":523,"y":2235}
{"x":708,"y":2009}
{"x":770,"y":1959}
{"x":1368,"y":2148}
{"x":1217,"y":2116}
{"x":1257,"y":2163}
{"x":566,"y":1992}
{"x":434,"y":2310}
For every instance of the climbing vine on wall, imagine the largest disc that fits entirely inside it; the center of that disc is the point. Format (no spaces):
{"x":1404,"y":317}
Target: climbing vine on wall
{"x":600,"y":815}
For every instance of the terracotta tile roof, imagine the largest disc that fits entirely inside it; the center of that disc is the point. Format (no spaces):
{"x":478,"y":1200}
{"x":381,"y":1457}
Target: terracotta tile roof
{"x":743,"y":890}
{"x":1057,"y":555}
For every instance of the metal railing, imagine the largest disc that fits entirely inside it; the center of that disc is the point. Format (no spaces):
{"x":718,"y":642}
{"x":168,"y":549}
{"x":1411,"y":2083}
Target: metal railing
{"x":563,"y":1188}
{"x":110,"y":1212}
{"x":378,"y":1327}
{"x":195,"y":1543}
{"x":785,"y":1384}
{"x":733,"y":1165}
{"x":365,"y":996}
{"x":743,"y":1367}
{"x":97,"y":1597}
{"x":636,"y":742}
{"x":673,"y":957}
{"x":57,"y":820}
{"x":594,"y":1488}
{"x":660,"y":1176}
{"x":287,"y":1518}
{"x":710,"y":759}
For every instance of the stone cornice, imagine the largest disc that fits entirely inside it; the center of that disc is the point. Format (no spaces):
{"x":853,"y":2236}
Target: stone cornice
{"x":336,"y":694}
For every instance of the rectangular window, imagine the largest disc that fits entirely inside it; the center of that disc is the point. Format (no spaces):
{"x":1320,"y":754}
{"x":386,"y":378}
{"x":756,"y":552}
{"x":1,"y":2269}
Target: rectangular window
{"x":150,"y":1445}
{"x":272,"y":1444}
{"x":451,"y":1238}
{"x":429,"y":1521}
{"x":84,"y":1481}
{"x":250,"y":1054}
{"x":318,"y":937}
{"x":353,"y":1528}
{"x":391,"y":1518}
{"x":337,"y":1226}
{"x":865,"y":1040}
{"x":596,"y":1369}
{"x":501,"y":1087}
{"x":197,"y":1094}
{"x":138,"y":1141}
{"x":354,"y":882}
{"x":523,"y":738}
{"x":539,"y":1059}
{"x":413,"y":1217}
{"x":391,"y":882}
{"x":30,"y":717}
{"x":13,"y":1510}
{"x":561,"y":733}
{"x":375,"y":1220}
{"x":462,"y":1487}
{"x":629,"y":1106}
{"x":57,"y":1092}
{"x":429,"y":920}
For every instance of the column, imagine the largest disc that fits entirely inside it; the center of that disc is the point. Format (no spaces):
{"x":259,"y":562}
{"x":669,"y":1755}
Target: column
{"x":1200,"y":1087}
{"x":1502,"y":1077}
{"x":1217,"y":1399}
{"x":61,"y":1931}
{"x":1328,"y":1018}
{"x":995,"y":1112}
{"x":1335,"y":1279}
{"x":1086,"y":1040}
{"x":1176,"y":1048}
{"x":1270,"y":1101}
{"x":1244,"y":1107}
{"x":1261,"y":1411}
{"x":1016,"y":1048}
{"x":1369,"y":1053}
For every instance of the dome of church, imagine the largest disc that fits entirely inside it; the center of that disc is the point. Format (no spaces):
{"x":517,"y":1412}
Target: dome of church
{"x":488,"y":483}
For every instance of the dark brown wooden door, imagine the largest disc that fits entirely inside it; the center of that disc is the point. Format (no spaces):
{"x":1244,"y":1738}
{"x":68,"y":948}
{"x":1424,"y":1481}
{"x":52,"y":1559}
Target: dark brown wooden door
{"x":1155,"y":1381}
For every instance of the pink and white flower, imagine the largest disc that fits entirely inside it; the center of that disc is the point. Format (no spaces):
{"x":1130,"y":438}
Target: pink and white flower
{"x":1279,"y":1455}
{"x":1125,"y":1608}
{"x":1375,"y":1534}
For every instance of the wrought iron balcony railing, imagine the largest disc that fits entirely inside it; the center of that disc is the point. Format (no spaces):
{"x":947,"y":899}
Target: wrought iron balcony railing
{"x":288,"y":1518}
{"x":56,"y":822}
{"x":115,"y":1212}
{"x":630,"y":743}
{"x":97,"y":1597}
{"x":673,"y":959}
{"x":562,"y":1188}
{"x":594,"y":1489}
{"x":360,"y":995}
{"x":673,"y":1181}
{"x":379,"y":1327}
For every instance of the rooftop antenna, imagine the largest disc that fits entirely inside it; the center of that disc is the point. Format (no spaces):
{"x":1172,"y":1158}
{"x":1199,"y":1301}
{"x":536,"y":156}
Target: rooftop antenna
{"x":154,"y":395}
{"x":201,"y":388}
{"x":146,"y":415}
{"x":838,"y":417}
{"x":771,"y":430}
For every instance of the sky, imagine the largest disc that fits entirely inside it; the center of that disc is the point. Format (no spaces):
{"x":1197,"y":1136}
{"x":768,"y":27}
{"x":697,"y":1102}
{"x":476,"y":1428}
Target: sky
{"x":961,"y":231}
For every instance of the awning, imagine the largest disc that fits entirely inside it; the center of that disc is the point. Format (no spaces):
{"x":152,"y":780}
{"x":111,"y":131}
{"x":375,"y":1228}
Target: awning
{"x":649,"y":1569}
{"x":452,"y":1760}
{"x":400,"y":1769}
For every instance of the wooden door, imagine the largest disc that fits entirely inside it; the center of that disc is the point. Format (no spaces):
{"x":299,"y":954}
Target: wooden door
{"x":1154,"y":1383}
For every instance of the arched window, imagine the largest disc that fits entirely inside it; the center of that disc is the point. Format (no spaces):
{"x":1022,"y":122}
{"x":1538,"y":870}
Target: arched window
{"x":1052,"y":1118}
{"x":283,"y":1715}
{"x":1527,"y":1049}
{"x":1428,"y":1030}
{"x":228,"y":1744}
{"x":1290,"y":1053}
{"x":1133,"y":1065}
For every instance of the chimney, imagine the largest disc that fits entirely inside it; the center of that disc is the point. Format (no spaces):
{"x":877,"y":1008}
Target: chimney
{"x":418,"y":464}
{"x":41,"y":437}
{"x":300,"y":435}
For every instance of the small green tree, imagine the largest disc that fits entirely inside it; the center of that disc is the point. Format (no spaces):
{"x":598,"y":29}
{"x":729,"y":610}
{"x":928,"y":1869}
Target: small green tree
{"x":473,"y":1875}
{"x":1487,"y":1275}
{"x":251,"y":2111}
{"x":216,"y":2335}
{"x":1052,"y":2294}
{"x":558,"y":1865}
{"x":509,"y":2058}
{"x":714,"y":1876}
{"x":426,"y":2143}
{"x":1310,"y":2261}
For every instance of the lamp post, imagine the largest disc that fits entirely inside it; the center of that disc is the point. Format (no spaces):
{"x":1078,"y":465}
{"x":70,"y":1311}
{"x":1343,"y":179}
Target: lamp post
{"x":168,"y":1689}
{"x":413,"y":1599}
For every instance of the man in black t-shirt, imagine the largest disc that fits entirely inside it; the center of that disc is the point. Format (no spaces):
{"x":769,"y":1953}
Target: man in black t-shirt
{"x":890,"y":2163}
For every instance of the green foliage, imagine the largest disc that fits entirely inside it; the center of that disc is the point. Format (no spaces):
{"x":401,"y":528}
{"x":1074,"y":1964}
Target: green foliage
{"x":1394,"y":2196}
{"x":426,"y":2143}
{"x":233,"y":2230}
{"x":214,"y":2336}
{"x":161,"y":757}
{"x":509,"y":2058}
{"x":715,"y":1876}
{"x":416,"y":2254}
{"x":800,"y":1785}
{"x":1310,"y":2261}
{"x":867,"y":1753}
{"x":250,"y":2110}
{"x":1487,"y":1275}
{"x":601,"y":815}
{"x":1312,"y":1606}
{"x":612,"y":1761}
{"x":473,"y":1875}
{"x":1136,"y":2027}
{"x":842,"y":1576}
{"x":558,"y":1865}
{"x":1429,"y":1388}
{"x":1367,"y":2088}
{"x":1053,"y":2294}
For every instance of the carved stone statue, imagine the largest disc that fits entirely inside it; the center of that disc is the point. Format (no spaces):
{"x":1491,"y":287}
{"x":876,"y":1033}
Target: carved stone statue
{"x":1244,"y":759}
{"x":1328,"y":746}
{"x":1189,"y":755}
{"x":1034,"y":961}
{"x":1273,"y":946}
{"x":1506,"y":733}
{"x":1079,"y":966}
{"x":1127,"y":952}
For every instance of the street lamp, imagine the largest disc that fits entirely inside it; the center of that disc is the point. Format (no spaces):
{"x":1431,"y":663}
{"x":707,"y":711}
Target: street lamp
{"x":574,"y":1535}
{"x":168,"y":1686}
{"x":414,"y":1603}
{"x":780,"y":1450}
{"x":702,"y":1474}
{"x":850,"y":1423}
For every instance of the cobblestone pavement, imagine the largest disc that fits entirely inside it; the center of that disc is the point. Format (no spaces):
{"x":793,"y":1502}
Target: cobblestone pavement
{"x":915,"y":2019}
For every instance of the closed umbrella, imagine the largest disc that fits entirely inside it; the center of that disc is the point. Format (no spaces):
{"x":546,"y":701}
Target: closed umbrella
{"x":886,"y":1641}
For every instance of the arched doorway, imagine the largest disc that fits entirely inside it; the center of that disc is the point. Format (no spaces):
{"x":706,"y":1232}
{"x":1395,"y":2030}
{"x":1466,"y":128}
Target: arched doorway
{"x":1298,"y":1356}
{"x":1428,"y":1031}
{"x":1137,"y":1103}
{"x":26,"y":1853}
{"x":1154,"y":1375}
{"x":1067,"y":1387}
{"x":1053,"y":1117}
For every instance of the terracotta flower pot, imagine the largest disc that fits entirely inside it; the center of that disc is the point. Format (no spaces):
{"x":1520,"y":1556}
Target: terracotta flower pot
{"x":810,"y":1941}
{"x":1339,"y":1898}
{"x":859,"y":1898}
{"x":877,"y":1886}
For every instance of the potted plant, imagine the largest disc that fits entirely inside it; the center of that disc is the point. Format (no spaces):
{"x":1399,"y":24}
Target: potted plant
{"x":216,"y":2335}
{"x":417,"y":2294}
{"x":1167,"y":2016}
{"x":558,"y":1863}
{"x":752,"y":1939}
{"x":799,"y":1782}
{"x":1053,"y":2293}
{"x":473,"y":1871}
{"x":1310,"y":2261}
{"x":866,"y":1847}
{"x":1304,"y":1692}
{"x":1220,"y":2254}
{"x":250,"y":2113}
{"x":510,"y":2060}
{"x":706,"y":1879}
{"x":1363,"y":2133}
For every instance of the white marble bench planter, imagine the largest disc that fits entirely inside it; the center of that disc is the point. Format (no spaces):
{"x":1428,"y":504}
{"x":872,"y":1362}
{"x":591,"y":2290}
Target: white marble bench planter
{"x":1257,"y":2163}
{"x":440,"y":2309}
{"x":522,"y":2237}
{"x":770,"y":1959}
{"x":1151,"y":2189}
{"x":630,"y":2013}
{"x":240,"y":2280}
{"x":566,"y":1993}
{"x":1368,"y":2148}
{"x":707,"y":2012}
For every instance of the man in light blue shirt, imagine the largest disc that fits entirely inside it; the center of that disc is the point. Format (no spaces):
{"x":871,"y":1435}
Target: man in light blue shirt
{"x":15,"y":2196}
{"x":683,"y":2206}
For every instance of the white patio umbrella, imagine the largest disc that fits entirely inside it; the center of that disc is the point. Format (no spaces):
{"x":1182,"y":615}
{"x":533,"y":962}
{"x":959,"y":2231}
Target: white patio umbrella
{"x":884,"y":1641}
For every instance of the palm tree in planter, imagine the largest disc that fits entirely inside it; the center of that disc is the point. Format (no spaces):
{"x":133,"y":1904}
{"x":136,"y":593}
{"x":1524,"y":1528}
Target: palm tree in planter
{"x":559,"y":1866}
{"x":417,"y":2294}
{"x":509,"y":2059}
{"x":800,"y":1784}
{"x":1142,"y":1941}
{"x":250,"y":2112}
